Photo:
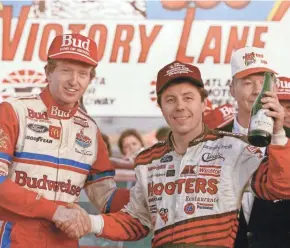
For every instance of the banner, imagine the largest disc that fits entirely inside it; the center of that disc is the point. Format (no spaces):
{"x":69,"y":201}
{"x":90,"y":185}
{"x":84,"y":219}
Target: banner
{"x":133,"y":49}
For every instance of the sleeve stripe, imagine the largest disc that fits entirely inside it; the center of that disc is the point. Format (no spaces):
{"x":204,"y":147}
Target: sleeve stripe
{"x":109,"y":203}
{"x":124,"y":227}
{"x":5,"y":157}
{"x":101,"y":175}
{"x":2,"y":179}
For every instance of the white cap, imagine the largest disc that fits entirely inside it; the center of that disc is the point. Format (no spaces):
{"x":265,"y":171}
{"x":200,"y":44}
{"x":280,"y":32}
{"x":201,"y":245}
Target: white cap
{"x":249,"y":60}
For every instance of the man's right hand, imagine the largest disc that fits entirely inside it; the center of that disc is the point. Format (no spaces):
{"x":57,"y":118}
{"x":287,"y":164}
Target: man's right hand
{"x":73,"y":218}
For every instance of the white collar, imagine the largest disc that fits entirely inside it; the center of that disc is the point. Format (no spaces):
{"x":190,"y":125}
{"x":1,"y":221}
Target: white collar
{"x":237,"y":128}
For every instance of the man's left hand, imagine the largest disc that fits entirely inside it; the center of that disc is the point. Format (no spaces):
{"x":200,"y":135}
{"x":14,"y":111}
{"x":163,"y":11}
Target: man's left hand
{"x":276,"y":111}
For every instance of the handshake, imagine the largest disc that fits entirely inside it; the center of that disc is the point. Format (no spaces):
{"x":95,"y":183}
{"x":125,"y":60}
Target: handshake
{"x":73,"y":220}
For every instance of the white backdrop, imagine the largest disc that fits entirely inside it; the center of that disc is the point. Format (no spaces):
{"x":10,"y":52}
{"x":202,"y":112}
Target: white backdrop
{"x":125,"y":85}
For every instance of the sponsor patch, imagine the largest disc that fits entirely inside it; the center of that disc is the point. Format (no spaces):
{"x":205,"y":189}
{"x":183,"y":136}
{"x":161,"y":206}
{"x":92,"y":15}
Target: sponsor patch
{"x":157,"y":167}
{"x":38,"y":139}
{"x":155,"y":199}
{"x":255,"y":150}
{"x":208,"y":157}
{"x":81,"y":121}
{"x":210,"y":170}
{"x":163,"y":212}
{"x":189,"y":208}
{"x":84,"y":152}
{"x":3,"y":139}
{"x":208,"y":206}
{"x":56,"y":112}
{"x":37,"y":115}
{"x":37,"y":128}
{"x":189,"y":170}
{"x":170,"y":173}
{"x":54,"y":132}
{"x":166,"y":158}
{"x":153,"y":209}
{"x":44,"y":183}
{"x":83,"y":140}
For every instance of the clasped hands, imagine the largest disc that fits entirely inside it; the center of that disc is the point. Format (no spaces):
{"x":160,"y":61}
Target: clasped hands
{"x":73,"y":220}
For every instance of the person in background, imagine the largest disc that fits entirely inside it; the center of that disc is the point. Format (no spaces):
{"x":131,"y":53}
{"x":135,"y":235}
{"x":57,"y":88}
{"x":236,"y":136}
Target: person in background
{"x":259,"y":223}
{"x":283,"y":93}
{"x":189,"y":189}
{"x":130,"y":144}
{"x":162,"y":133}
{"x":108,"y":144}
{"x":50,"y":150}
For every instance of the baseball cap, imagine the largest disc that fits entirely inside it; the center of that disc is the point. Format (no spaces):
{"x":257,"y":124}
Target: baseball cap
{"x":176,"y":70}
{"x":74,"y":46}
{"x":249,"y":60}
{"x":283,"y":88}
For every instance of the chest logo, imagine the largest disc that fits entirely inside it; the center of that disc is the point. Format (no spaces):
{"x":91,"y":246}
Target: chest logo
{"x":54,"y":132}
{"x":37,"y":128}
{"x":83,"y":140}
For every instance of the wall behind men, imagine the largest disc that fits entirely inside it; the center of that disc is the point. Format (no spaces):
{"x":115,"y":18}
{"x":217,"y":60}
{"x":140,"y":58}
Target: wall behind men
{"x":135,"y":41}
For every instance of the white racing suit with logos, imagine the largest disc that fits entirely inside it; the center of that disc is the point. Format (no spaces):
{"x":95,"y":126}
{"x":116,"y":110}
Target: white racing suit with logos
{"x":47,"y":156}
{"x":193,"y":200}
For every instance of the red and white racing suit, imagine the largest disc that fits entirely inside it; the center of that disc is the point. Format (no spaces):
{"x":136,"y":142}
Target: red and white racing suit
{"x":47,"y":156}
{"x":195,"y":198}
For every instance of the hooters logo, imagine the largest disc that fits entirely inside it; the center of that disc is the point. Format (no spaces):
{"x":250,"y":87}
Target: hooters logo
{"x":44,"y":183}
{"x":189,"y":185}
{"x":54,"y":132}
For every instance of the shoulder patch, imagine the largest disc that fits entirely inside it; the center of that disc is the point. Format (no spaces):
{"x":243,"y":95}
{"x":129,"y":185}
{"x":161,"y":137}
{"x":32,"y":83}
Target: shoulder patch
{"x":83,"y":113}
{"x":154,"y":152}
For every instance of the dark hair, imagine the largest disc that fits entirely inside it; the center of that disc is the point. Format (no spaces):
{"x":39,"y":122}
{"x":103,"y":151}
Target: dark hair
{"x":126,"y":133}
{"x":108,"y":144}
{"x":162,"y":133}
{"x":202,"y":91}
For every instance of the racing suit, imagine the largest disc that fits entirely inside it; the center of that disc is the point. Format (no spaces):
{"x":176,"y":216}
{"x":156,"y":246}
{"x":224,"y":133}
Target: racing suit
{"x":193,"y":200}
{"x":47,"y":156}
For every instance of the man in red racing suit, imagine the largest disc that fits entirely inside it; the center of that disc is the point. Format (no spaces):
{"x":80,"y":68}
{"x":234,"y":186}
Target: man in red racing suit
{"x":50,"y":150}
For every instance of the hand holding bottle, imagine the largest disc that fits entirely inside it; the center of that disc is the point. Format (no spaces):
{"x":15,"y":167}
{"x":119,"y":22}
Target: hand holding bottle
{"x":267,"y":115}
{"x":276,"y":111}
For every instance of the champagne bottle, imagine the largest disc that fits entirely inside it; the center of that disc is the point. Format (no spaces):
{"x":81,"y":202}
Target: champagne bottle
{"x":261,"y":126}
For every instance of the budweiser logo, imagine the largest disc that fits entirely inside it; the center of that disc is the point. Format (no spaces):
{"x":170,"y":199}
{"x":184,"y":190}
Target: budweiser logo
{"x":37,"y":115}
{"x":283,"y":84}
{"x":68,"y":40}
{"x":55,"y":111}
{"x":226,"y":111}
{"x":44,"y":183}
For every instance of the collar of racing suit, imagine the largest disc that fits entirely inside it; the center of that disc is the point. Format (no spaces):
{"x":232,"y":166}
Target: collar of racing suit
{"x":206,"y":131}
{"x":54,"y":110}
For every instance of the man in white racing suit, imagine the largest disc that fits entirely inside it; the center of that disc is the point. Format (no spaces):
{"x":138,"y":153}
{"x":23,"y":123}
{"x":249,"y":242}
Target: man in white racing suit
{"x":189,"y":188}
